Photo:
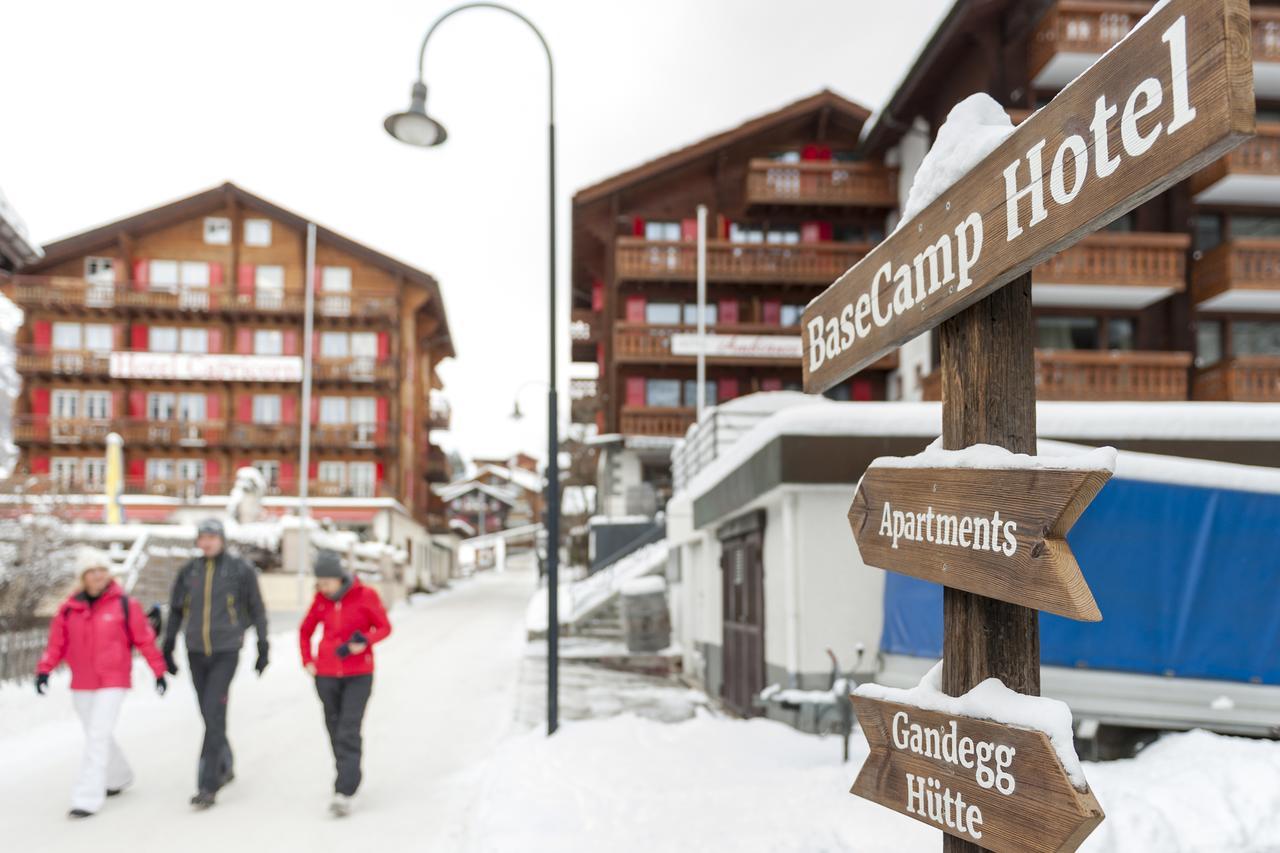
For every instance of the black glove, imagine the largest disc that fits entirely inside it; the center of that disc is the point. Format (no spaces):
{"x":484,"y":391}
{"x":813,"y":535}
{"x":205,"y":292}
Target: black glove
{"x":343,"y":651}
{"x":170,"y":665}
{"x":359,"y":637}
{"x":262,"y":658}
{"x":161,"y":685}
{"x":42,"y":683}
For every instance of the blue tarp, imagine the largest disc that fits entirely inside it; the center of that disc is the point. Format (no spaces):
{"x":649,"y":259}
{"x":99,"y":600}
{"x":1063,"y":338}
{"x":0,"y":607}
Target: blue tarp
{"x":1187,"y":578}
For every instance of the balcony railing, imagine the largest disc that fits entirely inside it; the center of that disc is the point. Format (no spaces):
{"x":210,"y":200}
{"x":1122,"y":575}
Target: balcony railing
{"x":193,"y":488}
{"x":1245,"y":378}
{"x":583,"y":323}
{"x":1089,"y":27}
{"x":1266,"y":34}
{"x":173,"y":433}
{"x":657,"y":421}
{"x":55,"y":430}
{"x":351,"y":435}
{"x":822,"y":183}
{"x":1239,"y":266}
{"x":353,"y":369}
{"x":63,"y":362}
{"x":1100,"y":375}
{"x":811,"y":263}
{"x":1258,"y":157}
{"x":1113,"y":258}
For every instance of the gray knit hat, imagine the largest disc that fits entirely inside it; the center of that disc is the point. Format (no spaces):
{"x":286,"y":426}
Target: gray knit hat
{"x":213,"y":527}
{"x":328,"y":565}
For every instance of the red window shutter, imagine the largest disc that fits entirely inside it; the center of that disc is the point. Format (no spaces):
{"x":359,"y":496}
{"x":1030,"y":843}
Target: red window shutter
{"x":772,"y":383}
{"x":245,"y":280}
{"x":39,"y":401}
{"x":378,"y":472}
{"x":772,"y":312}
{"x":313,"y":470}
{"x":213,"y":407}
{"x":635,"y":391}
{"x":635,"y":309}
{"x":288,"y":475}
{"x":597,"y":295}
{"x":213,"y":473}
{"x":289,"y":409}
{"x":215,"y":276}
{"x":138,"y":404}
{"x":810,"y":232}
{"x":244,"y":341}
{"x":637,"y":227}
{"x":42,"y":334}
{"x":290,"y":344}
{"x":600,"y":358}
{"x":139,"y":337}
{"x":141,"y":274}
{"x":727,"y":313}
{"x":384,"y":346}
{"x":826,"y":231}
{"x":244,"y":409}
{"x":860,"y":389}
{"x":39,"y":464}
{"x":137,"y":470}
{"x":689,"y":230}
{"x":727,"y":388}
{"x":824,"y":152}
{"x":722,"y":226}
{"x":215,"y":340}
{"x":384,"y":410}
{"x":809,"y":152}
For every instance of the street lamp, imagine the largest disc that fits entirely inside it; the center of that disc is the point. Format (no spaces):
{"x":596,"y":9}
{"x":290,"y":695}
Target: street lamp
{"x":516,"y":413}
{"x":415,"y":127}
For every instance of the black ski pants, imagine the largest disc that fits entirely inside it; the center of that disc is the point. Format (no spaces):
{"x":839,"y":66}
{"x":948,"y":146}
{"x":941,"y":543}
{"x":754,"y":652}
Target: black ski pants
{"x":212,"y":676}
{"x":344,"y":701}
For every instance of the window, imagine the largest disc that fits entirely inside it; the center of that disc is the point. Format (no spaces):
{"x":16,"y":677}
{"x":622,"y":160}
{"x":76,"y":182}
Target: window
{"x":1122,"y":224}
{"x":1208,"y":232}
{"x":739,"y":233}
{"x":786,"y":236}
{"x":361,"y":479}
{"x":191,"y":408}
{"x":662,"y":230}
{"x":163,"y":339}
{"x":335,"y":279}
{"x":1255,"y":226}
{"x":268,"y":342}
{"x":266,"y":408}
{"x":97,"y":405}
{"x":786,"y":157}
{"x":64,"y":470}
{"x":65,"y":405}
{"x":163,"y":276}
{"x":333,"y":344}
{"x":662,"y":313}
{"x":1067,"y":333}
{"x":270,"y":471}
{"x":66,"y":336}
{"x":710,"y":311}
{"x":1120,"y":333}
{"x":99,"y":337}
{"x":662,"y":393}
{"x":1208,"y":343}
{"x":193,"y":274}
{"x":269,"y":286}
{"x":190,"y":470}
{"x":217,"y":230}
{"x":161,"y":470}
{"x":193,"y":340}
{"x":100,"y":270}
{"x":1255,"y":337}
{"x":840,"y":393}
{"x":161,"y":406}
{"x":364,"y":413}
{"x":257,"y":232}
{"x":364,"y":344}
{"x":331,"y":472}
{"x":95,"y":474}
{"x":861,"y":233}
{"x":333,"y":410}
{"x":790,"y":314}
{"x":691,"y":392}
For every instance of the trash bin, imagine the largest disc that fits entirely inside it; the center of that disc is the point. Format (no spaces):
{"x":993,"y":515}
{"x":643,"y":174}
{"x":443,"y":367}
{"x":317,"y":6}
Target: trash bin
{"x":646,"y":622}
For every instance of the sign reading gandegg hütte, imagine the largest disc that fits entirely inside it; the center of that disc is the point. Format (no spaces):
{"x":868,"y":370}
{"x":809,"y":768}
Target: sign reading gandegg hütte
{"x":1176,"y":94}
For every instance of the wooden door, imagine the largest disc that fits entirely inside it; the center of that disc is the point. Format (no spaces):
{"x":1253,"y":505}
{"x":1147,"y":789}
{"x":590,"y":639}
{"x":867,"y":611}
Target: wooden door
{"x":742,"y":569}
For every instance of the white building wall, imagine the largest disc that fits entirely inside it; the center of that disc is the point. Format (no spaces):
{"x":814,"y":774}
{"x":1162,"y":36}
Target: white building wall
{"x":915,"y":358}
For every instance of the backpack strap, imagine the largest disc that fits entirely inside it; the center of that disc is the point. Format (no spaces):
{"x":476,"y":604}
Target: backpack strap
{"x":128,"y":635}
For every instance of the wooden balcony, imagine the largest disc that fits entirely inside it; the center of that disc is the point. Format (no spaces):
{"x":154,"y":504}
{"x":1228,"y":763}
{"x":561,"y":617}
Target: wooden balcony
{"x":642,"y":342}
{"x":192,"y":489}
{"x":78,"y":363}
{"x":584,"y":325}
{"x":343,"y":436}
{"x":353,"y":369}
{"x":638,"y":259}
{"x":263,"y":435}
{"x":822,"y":183}
{"x":657,"y":421}
{"x":1240,"y":275}
{"x":1074,"y":33}
{"x":1097,"y":375}
{"x":1248,"y":174}
{"x":1114,"y":269}
{"x":1244,"y":379}
{"x":436,"y":467}
{"x":173,"y":434}
{"x":41,"y":429}
{"x":584,"y":400}
{"x":439,"y":414}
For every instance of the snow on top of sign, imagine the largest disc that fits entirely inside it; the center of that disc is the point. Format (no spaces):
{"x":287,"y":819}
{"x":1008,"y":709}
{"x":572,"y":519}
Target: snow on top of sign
{"x":988,"y":456}
{"x":992,"y":700}
{"x":974,"y":128}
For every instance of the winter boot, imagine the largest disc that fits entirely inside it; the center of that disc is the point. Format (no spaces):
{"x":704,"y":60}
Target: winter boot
{"x":202,"y":801}
{"x":341,"y":805}
{"x":77,"y":814}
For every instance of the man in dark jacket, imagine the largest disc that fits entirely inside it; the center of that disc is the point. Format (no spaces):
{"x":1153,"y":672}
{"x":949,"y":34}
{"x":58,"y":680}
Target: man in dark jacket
{"x":217,"y":596}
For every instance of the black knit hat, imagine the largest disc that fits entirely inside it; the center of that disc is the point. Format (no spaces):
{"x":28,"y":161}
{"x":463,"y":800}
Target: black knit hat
{"x":328,"y":565}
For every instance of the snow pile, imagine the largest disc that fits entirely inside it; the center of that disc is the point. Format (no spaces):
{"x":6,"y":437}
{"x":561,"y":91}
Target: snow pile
{"x":974,"y":128}
{"x":991,"y":700}
{"x":580,"y":599}
{"x":792,"y":696}
{"x":647,"y":585}
{"x":988,"y":456}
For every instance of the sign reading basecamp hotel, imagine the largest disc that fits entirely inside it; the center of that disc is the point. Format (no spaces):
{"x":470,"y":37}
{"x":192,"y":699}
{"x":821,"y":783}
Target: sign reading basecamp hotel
{"x":996,"y":531}
{"x":1176,"y":94}
{"x":1000,"y":786}
{"x":205,"y":368}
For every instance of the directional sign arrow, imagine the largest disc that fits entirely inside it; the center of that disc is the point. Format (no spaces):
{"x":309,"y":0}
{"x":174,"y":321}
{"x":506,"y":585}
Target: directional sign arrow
{"x":994,"y":532}
{"x":998,"y":786}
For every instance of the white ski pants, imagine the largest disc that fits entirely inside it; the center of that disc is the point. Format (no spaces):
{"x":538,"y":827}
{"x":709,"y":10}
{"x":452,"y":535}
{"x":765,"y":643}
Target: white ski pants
{"x":103,"y":766}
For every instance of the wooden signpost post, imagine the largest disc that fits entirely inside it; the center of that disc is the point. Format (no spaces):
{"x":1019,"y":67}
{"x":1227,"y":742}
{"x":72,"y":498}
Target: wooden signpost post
{"x":1176,"y":94}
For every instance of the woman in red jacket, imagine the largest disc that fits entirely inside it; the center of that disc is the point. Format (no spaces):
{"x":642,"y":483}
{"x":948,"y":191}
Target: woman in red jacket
{"x":95,"y":632}
{"x":354,"y":619}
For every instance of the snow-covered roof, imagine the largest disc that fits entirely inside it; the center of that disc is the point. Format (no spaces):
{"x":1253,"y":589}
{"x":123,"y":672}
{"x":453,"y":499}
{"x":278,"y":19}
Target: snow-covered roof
{"x":15,"y":241}
{"x":452,"y":491}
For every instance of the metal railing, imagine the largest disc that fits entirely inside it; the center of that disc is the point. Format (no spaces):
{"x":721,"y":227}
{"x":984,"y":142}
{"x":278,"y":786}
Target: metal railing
{"x":20,"y":651}
{"x":718,"y":430}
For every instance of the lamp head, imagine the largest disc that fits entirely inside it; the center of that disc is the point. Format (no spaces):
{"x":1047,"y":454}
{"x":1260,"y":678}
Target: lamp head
{"x":516,"y":414}
{"x":414,"y":126}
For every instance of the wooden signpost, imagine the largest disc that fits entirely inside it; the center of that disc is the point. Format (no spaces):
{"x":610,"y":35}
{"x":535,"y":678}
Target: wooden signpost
{"x":998,"y":786}
{"x":998,"y":533}
{"x":1176,"y":94}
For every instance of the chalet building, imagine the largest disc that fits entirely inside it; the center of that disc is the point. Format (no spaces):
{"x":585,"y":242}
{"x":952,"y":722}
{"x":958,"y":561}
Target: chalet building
{"x":500,"y":495}
{"x":791,"y":206}
{"x":1178,"y":299}
{"x":181,"y":329}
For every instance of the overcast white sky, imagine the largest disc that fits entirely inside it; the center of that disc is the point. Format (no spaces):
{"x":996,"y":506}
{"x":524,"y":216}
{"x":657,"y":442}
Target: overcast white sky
{"x":112,"y":108}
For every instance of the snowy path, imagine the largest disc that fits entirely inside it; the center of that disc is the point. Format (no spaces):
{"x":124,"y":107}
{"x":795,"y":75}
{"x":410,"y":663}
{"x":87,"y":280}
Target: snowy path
{"x":443,"y":697}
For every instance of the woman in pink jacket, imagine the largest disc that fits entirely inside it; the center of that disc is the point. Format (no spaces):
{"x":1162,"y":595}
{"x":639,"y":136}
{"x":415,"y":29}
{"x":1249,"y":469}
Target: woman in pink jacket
{"x":95,"y":632}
